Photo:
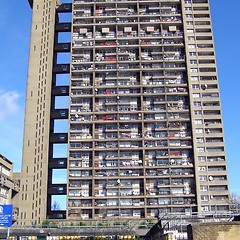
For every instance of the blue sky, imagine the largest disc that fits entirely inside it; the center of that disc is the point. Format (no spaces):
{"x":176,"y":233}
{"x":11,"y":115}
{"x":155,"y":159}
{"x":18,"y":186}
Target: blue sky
{"x":15,"y":21}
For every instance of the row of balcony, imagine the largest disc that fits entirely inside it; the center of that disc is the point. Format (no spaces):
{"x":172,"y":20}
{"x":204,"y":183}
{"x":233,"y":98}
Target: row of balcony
{"x":133,"y":116}
{"x":134,"y":144}
{"x":168,"y":2}
{"x":148,"y":135}
{"x":132,"y":163}
{"x":132,"y":202}
{"x":118,"y":95}
{"x":133,"y":83}
{"x":127,"y":109}
{"x":108,"y":82}
{"x":134,"y":127}
{"x":153,"y":158}
{"x":132,"y":173}
{"x":103,"y":192}
{"x":101,"y":57}
{"x":123,"y":183}
{"x":127,"y":213}
{"x":126,"y":66}
{"x":122,"y":20}
{"x":108,"y":9}
{"x":129,"y":43}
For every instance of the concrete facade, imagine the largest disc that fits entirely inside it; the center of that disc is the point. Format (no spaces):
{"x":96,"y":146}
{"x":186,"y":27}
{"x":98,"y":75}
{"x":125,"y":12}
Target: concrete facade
{"x":145,"y":134}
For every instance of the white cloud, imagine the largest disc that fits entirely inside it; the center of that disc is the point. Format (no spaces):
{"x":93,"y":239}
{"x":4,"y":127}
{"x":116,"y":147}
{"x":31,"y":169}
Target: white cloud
{"x":9,"y":104}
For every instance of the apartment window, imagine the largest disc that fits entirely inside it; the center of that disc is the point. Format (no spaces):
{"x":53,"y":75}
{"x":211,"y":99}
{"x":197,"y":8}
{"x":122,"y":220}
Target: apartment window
{"x":200,"y":8}
{"x":203,"y":188}
{"x":189,"y":16}
{"x":205,"y":30}
{"x":217,"y":188}
{"x":190,"y":31}
{"x":189,"y":23}
{"x":192,"y":54}
{"x":215,"y":149}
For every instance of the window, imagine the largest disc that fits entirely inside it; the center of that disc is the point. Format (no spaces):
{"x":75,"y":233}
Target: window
{"x":190,"y":31}
{"x":204,"y":198}
{"x":204,"y":208}
{"x":192,"y":54}
{"x":191,"y":38}
{"x":189,"y":15}
{"x":202,"y":169}
{"x":202,"y":178}
{"x":193,"y":62}
{"x":195,"y":86}
{"x":199,"y":130}
{"x":198,"y":112}
{"x":200,"y":140}
{"x":203,"y":188}
{"x":191,"y":46}
{"x":196,"y":95}
{"x":193,"y":70}
{"x":189,"y":23}
{"x":194,"y":78}
{"x":202,"y":159}
{"x":198,"y":121}
{"x":200,"y":149}
{"x":197,"y":104}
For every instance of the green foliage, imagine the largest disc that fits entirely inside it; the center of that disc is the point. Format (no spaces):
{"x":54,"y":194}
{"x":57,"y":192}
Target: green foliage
{"x":82,"y":224}
{"x":45,"y":223}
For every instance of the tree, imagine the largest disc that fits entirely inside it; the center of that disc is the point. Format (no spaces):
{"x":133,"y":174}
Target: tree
{"x":55,"y":206}
{"x":234,"y":202}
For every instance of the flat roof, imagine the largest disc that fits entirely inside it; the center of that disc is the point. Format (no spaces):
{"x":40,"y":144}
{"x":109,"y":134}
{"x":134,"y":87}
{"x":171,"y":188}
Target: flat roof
{"x":5,"y":159}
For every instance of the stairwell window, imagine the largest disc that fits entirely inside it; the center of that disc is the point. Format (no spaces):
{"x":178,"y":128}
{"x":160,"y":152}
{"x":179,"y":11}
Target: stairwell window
{"x":204,"y":198}
{"x":193,"y":70}
{"x":204,"y":208}
{"x":191,"y":45}
{"x":198,"y":121}
{"x":196,"y":95}
{"x":202,"y":178}
{"x":194,"y":78}
{"x":192,"y":62}
{"x":199,"y":130}
{"x":200,"y":149}
{"x":192,"y":54}
{"x":203,"y":188}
